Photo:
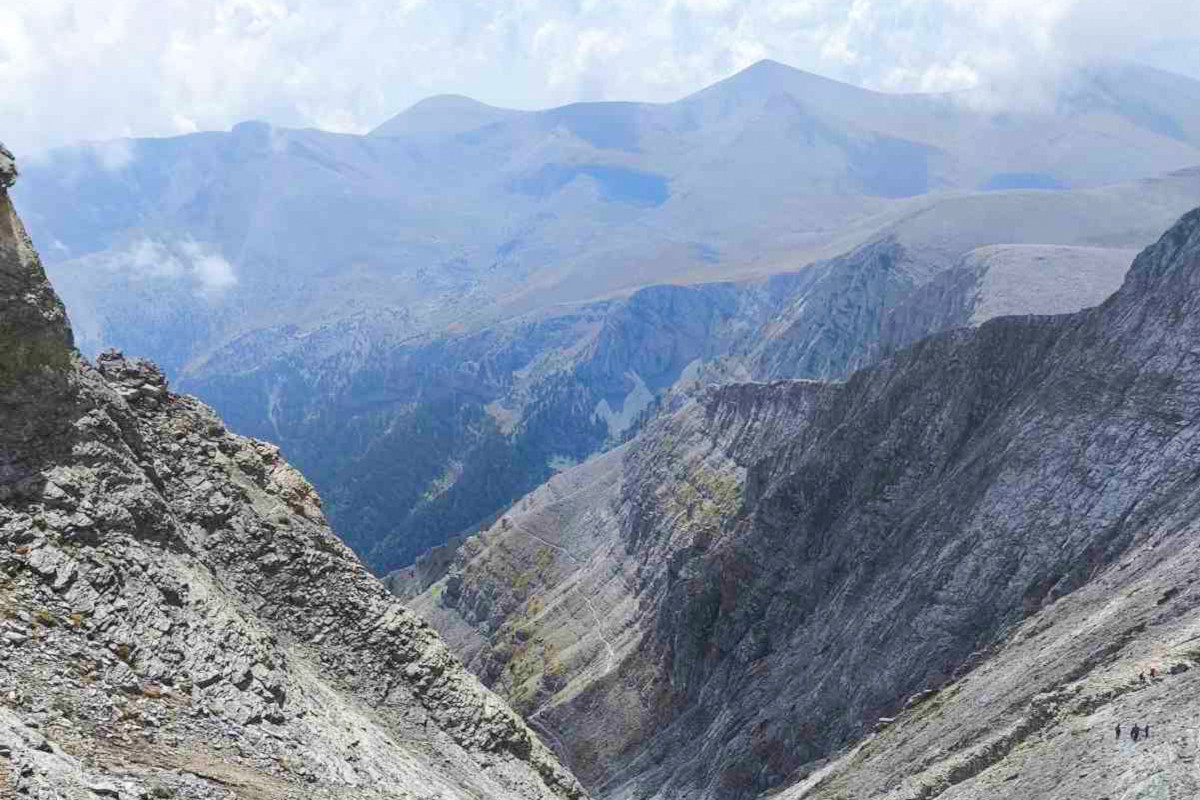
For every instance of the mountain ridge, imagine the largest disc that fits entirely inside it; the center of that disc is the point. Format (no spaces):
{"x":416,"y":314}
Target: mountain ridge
{"x":278,"y":272}
{"x":771,"y":75}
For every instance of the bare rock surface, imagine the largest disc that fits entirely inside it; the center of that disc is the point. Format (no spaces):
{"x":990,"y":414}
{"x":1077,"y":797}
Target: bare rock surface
{"x":178,"y":620}
{"x":1039,"y":719}
{"x":960,"y":559}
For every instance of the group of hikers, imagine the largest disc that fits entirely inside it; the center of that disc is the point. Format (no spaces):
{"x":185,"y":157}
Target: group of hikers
{"x":1135,"y":732}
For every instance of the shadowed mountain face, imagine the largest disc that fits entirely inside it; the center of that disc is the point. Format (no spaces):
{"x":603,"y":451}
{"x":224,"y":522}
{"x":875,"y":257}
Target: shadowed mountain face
{"x":998,"y":518}
{"x":437,"y":286}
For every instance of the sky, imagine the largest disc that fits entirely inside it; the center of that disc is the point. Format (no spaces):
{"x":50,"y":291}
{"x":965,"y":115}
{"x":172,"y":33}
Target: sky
{"x":79,"y":70}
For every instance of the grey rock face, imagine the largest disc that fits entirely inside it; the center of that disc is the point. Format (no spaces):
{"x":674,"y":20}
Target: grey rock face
{"x":176,"y":615}
{"x":35,"y":337}
{"x":775,"y":568}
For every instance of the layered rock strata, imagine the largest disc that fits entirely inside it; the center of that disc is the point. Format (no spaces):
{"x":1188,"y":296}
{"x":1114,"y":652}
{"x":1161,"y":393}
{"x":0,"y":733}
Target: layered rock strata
{"x":767,"y":572}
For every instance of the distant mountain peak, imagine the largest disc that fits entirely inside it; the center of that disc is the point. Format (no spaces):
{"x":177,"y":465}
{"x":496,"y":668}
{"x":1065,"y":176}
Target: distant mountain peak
{"x":767,"y":76}
{"x":769,"y":66}
{"x":443,"y":114}
{"x":450,"y":101}
{"x":767,"y":70}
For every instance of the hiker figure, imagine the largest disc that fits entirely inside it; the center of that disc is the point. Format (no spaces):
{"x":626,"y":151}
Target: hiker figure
{"x":1152,"y":672}
{"x":1146,"y":731}
{"x":1142,"y":677}
{"x":1118,"y":731}
{"x":1134,"y":733}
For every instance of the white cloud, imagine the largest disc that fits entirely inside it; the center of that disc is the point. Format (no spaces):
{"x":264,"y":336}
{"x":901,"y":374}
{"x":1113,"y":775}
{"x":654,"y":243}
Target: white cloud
{"x":211,"y":270}
{"x":114,"y":155}
{"x":75,"y":70}
{"x":146,"y":258}
{"x":202,"y":267}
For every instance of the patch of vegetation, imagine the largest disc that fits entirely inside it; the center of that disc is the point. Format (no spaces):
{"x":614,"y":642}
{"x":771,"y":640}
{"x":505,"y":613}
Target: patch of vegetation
{"x":45,"y":618}
{"x":528,"y":660}
{"x":21,"y":354}
{"x":553,"y":665}
{"x":562,"y":463}
{"x":63,"y":706}
{"x":521,"y":583}
{"x":703,"y":501}
{"x":8,"y":607}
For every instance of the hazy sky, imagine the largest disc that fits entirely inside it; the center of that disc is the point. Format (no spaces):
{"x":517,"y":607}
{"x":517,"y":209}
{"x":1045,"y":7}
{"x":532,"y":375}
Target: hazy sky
{"x":80,"y":69}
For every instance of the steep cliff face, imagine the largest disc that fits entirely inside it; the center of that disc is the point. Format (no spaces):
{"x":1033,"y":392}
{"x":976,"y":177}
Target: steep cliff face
{"x":177,"y":618}
{"x":770,"y":569}
{"x":1109,"y":638}
{"x":33,"y":328}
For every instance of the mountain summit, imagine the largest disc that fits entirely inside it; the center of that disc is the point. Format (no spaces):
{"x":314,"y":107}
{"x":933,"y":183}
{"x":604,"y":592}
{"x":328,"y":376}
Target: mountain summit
{"x":767,"y":76}
{"x":445,"y":114}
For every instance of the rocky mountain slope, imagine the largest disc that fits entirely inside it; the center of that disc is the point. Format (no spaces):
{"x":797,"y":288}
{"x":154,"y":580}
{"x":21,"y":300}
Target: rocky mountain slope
{"x":975,"y":546}
{"x":178,"y":620}
{"x":429,"y":319}
{"x":483,"y":417}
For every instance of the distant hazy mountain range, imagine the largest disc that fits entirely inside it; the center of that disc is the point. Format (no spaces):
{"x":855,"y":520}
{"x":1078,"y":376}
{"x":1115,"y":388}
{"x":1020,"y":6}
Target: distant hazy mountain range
{"x":433,"y":318}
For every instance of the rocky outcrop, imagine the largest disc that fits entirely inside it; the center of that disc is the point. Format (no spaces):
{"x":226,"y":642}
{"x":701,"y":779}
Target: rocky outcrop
{"x":8,"y":168}
{"x":775,"y":568}
{"x":429,"y":568}
{"x":33,"y":329}
{"x":177,"y":618}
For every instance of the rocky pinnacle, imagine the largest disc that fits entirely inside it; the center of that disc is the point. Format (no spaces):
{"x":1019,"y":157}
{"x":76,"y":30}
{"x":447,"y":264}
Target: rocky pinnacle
{"x":34,"y":332}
